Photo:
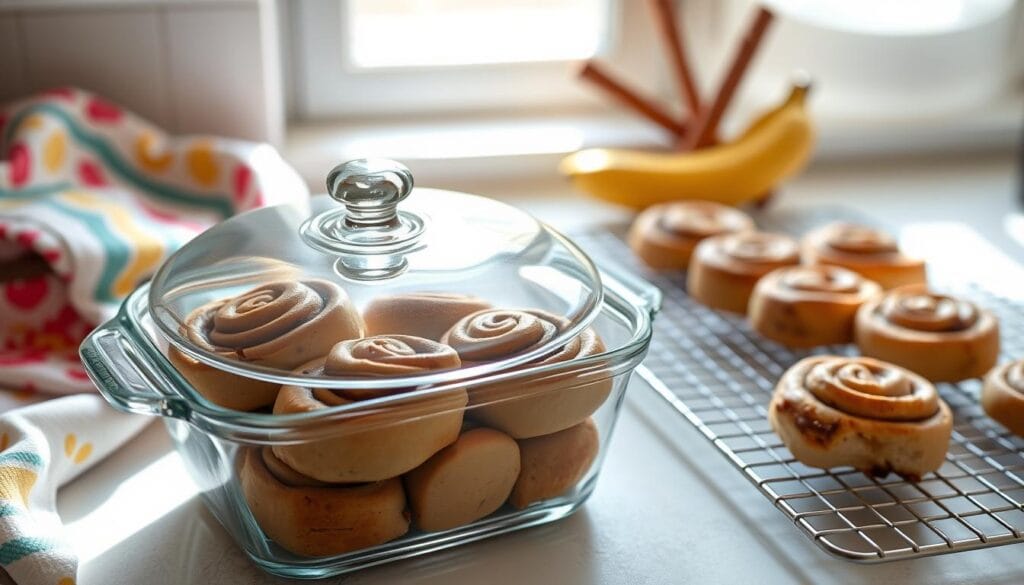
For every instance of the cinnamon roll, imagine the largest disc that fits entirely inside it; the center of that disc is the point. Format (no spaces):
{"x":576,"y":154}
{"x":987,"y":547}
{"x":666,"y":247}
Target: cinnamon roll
{"x":280,"y":324}
{"x":223,"y":388}
{"x":465,"y":481}
{"x":374,"y":444}
{"x":664,"y":235}
{"x":870,"y":252}
{"x":945,"y":339}
{"x":725,"y":268}
{"x":426,"y":314}
{"x":1002,"y":396}
{"x":311,"y":518}
{"x":805,"y":306}
{"x":539,"y":405}
{"x":832,"y":411}
{"x":552,"y":464}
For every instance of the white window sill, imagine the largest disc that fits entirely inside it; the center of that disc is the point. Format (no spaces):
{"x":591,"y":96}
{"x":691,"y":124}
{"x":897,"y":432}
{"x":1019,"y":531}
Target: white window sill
{"x":469,"y":151}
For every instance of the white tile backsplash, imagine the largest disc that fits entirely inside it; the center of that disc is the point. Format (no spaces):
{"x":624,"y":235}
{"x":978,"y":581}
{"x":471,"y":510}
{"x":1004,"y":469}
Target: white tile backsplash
{"x":190,"y":67}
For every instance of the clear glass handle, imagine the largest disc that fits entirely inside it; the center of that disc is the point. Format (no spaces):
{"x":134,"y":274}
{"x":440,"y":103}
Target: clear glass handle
{"x":370,"y":189}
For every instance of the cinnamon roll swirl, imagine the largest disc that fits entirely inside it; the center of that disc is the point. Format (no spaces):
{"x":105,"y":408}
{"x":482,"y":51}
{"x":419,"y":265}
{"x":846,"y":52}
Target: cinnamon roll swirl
{"x":943,"y":338}
{"x":805,"y":306}
{"x":725,"y":268}
{"x":311,"y":518}
{"x":382,"y":443}
{"x":426,"y":314}
{"x":538,"y":405}
{"x":280,"y":324}
{"x":664,"y":235}
{"x":833,"y":411}
{"x":870,"y":252}
{"x":1002,"y":396}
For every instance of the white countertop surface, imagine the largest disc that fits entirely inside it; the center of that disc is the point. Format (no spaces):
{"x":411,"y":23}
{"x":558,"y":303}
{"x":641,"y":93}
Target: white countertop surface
{"x":668,"y":507}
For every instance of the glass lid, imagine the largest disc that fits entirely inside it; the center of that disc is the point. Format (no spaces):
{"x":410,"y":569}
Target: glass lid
{"x":267,"y":292}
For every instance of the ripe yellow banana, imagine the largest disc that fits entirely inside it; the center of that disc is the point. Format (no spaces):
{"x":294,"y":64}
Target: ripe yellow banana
{"x":775,"y":147}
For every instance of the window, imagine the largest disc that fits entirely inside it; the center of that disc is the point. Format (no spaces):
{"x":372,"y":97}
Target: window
{"x":468,"y":32}
{"x":365,"y":58}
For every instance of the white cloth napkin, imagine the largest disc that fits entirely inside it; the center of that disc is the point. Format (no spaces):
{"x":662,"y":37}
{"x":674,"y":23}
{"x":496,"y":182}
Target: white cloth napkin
{"x":42,"y":447}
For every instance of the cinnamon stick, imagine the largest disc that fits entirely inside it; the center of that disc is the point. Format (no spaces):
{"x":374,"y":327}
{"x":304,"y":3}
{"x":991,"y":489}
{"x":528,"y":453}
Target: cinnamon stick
{"x":703,"y":131}
{"x":593,"y":73}
{"x":668,"y":25}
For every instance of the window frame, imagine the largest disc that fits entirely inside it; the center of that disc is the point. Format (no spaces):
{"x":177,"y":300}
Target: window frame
{"x":328,"y":87}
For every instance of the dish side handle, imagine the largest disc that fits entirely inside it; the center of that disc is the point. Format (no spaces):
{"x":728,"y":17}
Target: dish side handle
{"x":119,"y":370}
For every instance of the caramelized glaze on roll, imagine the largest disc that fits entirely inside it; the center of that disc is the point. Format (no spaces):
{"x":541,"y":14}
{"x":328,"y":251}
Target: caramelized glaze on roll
{"x":833,"y":411}
{"x":1002,"y":396}
{"x":865,"y":250}
{"x":539,"y":405}
{"x":664,"y":235}
{"x":943,"y":338}
{"x":725,"y":268}
{"x":805,"y":306}
{"x":381,"y":443}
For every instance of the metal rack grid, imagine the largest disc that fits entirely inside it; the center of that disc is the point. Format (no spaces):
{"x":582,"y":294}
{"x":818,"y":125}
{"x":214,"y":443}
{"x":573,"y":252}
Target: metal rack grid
{"x":719,"y":375}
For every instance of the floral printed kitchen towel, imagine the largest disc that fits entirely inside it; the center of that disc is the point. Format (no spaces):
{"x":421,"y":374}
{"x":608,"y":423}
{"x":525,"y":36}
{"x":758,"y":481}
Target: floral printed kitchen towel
{"x":92,"y":200}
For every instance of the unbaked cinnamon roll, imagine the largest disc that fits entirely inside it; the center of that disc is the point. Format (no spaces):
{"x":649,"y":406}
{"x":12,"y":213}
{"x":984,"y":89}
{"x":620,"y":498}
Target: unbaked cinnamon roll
{"x":311,"y":518}
{"x":1002,"y":396}
{"x":664,"y":235}
{"x":865,"y":250}
{"x":427,"y":314}
{"x":538,"y":405}
{"x":805,"y":306}
{"x":943,"y":338}
{"x":223,"y":388}
{"x":832,"y":411}
{"x":725,"y":268}
{"x":280,"y":324}
{"x":465,"y":481}
{"x":382,"y":443}
{"x":553,"y":464}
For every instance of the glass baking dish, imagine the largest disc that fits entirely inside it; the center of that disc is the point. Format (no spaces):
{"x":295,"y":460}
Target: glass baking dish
{"x":295,"y":523}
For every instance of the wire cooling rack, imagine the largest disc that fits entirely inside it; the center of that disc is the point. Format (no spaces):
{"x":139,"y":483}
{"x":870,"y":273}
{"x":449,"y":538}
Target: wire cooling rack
{"x":719,"y":375}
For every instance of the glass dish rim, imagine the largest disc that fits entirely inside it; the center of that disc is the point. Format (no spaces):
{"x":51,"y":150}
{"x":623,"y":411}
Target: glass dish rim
{"x":178,"y":399}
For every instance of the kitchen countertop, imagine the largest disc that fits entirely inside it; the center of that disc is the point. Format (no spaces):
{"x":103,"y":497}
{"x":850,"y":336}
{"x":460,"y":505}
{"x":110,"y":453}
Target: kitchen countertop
{"x":668,"y":507}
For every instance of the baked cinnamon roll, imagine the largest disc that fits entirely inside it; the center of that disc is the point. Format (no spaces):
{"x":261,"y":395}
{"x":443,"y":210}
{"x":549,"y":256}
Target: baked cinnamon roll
{"x":311,"y":518}
{"x":664,"y":235}
{"x":427,"y":314}
{"x":553,"y":464}
{"x":465,"y":481}
{"x":870,"y":252}
{"x":382,"y":443}
{"x":945,"y":339}
{"x":725,"y":268}
{"x":537,"y":406}
{"x":280,"y":324}
{"x":805,"y":306}
{"x":832,"y":411}
{"x":1002,"y":396}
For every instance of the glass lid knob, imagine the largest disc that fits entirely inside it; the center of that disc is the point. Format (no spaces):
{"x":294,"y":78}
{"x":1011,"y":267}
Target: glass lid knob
{"x":370,"y":189}
{"x":370,"y":231}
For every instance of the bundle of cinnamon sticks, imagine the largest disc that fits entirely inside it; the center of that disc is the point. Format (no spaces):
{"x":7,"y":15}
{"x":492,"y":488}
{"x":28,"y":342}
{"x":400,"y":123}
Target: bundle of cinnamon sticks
{"x":698,"y":127}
